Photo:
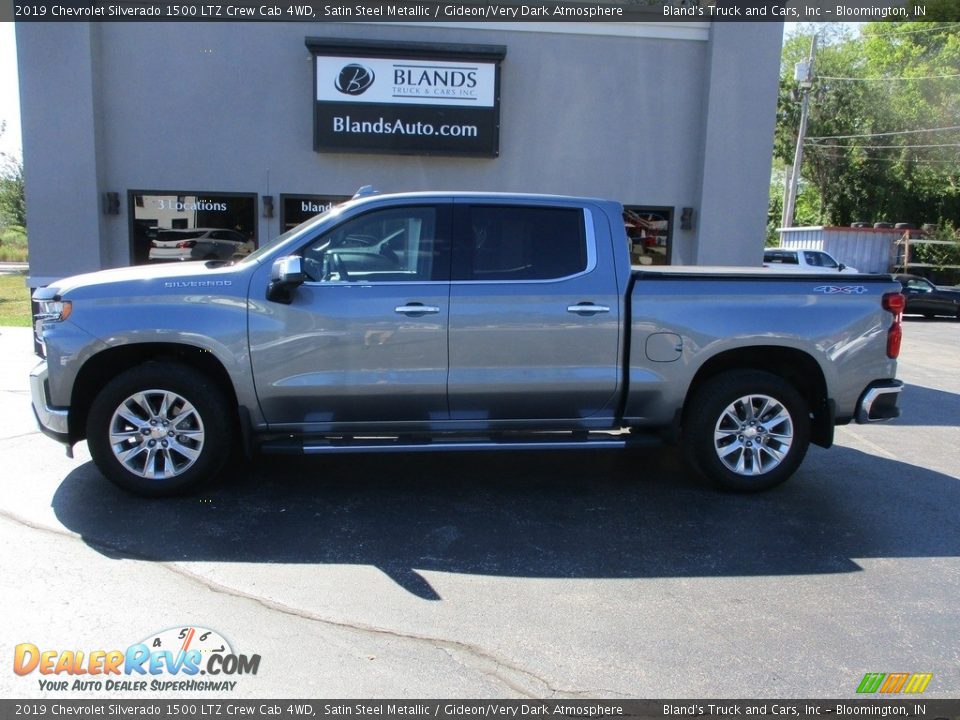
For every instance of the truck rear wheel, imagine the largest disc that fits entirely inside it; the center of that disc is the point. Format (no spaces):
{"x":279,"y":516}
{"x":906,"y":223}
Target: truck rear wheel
{"x":159,"y":429}
{"x":746,"y":430}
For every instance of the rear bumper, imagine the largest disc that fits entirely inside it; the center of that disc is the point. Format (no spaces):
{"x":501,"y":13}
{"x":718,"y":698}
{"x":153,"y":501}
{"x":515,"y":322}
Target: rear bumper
{"x":879,"y":401}
{"x":53,"y":421}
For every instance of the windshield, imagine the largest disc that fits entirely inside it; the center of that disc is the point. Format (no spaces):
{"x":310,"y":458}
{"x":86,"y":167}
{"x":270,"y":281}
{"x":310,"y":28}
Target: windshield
{"x":301,"y":229}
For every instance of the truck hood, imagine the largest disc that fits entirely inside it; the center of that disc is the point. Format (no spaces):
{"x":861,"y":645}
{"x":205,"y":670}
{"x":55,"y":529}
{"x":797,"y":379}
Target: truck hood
{"x":142,"y":280}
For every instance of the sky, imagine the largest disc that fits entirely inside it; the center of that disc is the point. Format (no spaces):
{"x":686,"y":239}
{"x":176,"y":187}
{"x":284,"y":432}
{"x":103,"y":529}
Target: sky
{"x":10,"y":95}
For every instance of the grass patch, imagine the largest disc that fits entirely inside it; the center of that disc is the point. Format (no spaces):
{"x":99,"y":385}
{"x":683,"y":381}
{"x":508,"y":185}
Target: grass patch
{"x":13,"y":244}
{"x":14,"y":301}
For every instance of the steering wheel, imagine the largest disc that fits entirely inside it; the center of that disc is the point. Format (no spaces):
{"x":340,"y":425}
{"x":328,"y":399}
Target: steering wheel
{"x":333,"y":265}
{"x":312,"y":268}
{"x":386,"y":251}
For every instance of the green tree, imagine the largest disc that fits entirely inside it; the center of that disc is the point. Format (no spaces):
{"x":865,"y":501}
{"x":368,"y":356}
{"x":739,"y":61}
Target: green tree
{"x":806,"y":212}
{"x":13,"y":208}
{"x":884,"y":87}
{"x":943,"y":255}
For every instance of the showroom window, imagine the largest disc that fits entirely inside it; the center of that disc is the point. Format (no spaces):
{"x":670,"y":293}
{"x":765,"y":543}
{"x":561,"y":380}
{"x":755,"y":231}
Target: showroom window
{"x":650,"y":230}
{"x":168,"y":226}
{"x":295,"y":209}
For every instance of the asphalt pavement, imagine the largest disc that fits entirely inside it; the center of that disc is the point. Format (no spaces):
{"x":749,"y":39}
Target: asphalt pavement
{"x":554,"y":574}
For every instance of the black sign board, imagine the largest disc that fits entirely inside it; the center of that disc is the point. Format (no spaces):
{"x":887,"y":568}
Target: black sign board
{"x":413,"y":98}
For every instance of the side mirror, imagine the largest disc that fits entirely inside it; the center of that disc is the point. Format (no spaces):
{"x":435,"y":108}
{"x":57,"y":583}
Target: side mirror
{"x":841,"y":267}
{"x":286,"y":275}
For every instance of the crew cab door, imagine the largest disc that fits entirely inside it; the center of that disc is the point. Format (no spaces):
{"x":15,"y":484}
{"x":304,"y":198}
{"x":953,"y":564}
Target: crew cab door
{"x":364,"y":338}
{"x":534,"y":314}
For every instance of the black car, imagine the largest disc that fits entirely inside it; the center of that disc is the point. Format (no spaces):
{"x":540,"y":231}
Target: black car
{"x":925,"y":298}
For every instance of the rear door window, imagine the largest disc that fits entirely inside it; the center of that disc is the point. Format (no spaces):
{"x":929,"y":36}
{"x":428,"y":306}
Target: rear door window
{"x":504,"y":243}
{"x":783,"y":258}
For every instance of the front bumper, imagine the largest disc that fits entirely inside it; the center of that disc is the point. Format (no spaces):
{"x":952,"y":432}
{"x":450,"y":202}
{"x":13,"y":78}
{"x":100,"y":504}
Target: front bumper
{"x":879,"y":401}
{"x":53,"y":421}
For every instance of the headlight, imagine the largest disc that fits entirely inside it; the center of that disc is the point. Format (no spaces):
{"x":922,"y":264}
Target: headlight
{"x":53,"y":310}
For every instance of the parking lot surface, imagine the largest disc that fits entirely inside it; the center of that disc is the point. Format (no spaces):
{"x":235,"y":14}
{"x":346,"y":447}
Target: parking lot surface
{"x":561,"y":574}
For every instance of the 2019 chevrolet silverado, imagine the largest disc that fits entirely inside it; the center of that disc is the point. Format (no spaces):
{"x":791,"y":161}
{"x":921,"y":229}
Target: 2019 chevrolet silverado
{"x":458,"y":321}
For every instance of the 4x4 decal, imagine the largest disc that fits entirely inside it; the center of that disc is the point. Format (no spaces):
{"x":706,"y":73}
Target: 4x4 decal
{"x":841,"y":289}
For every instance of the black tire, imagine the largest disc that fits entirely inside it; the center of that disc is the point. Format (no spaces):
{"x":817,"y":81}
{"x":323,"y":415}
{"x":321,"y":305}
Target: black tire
{"x":180,"y":414}
{"x":774,"y":421}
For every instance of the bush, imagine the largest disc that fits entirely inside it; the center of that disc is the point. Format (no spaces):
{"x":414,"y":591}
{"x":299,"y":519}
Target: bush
{"x":940,"y":256}
{"x":13,"y":244}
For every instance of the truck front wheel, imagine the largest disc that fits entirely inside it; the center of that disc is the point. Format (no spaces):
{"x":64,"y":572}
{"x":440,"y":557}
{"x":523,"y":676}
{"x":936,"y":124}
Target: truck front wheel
{"x":747,"y":430}
{"x":159,"y":429}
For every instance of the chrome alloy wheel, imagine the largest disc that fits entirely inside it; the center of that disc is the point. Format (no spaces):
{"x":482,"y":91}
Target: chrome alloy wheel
{"x":753,"y":435}
{"x":156,"y":434}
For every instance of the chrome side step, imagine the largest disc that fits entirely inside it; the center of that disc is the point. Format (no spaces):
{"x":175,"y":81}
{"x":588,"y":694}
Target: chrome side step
{"x":442,"y":446}
{"x":341,"y":445}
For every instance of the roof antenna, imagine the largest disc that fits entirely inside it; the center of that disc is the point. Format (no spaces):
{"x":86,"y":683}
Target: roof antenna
{"x":365,"y":191}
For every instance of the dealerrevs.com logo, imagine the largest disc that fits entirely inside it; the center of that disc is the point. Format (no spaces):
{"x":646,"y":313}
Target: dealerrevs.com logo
{"x":166,"y":661}
{"x":894,"y":683}
{"x":354,"y":79}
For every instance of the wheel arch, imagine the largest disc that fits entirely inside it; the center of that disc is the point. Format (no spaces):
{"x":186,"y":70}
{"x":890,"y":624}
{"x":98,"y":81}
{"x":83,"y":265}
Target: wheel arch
{"x":107,"y":364}
{"x":797,"y":367}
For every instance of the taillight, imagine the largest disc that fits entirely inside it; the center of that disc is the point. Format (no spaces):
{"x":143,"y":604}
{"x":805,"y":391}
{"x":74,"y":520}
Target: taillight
{"x":894,"y":303}
{"x":186,"y":244}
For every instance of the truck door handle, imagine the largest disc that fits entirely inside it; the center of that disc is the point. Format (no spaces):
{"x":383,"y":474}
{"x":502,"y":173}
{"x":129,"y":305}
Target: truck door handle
{"x":587,"y":308}
{"x":417,"y":309}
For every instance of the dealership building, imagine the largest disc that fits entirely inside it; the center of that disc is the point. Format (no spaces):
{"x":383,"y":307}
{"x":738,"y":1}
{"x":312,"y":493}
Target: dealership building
{"x":138,"y":137}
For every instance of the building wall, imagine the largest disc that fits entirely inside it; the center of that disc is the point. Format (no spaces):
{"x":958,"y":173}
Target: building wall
{"x":651,"y":116}
{"x":741,"y":99}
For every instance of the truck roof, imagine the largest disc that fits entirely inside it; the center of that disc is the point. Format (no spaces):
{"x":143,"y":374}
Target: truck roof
{"x":478,"y":194}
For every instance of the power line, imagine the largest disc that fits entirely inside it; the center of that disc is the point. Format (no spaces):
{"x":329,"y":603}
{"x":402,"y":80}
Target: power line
{"x":916,"y":161}
{"x":888,"y":147}
{"x":946,"y":26}
{"x":883,"y":134}
{"x":887,"y":78}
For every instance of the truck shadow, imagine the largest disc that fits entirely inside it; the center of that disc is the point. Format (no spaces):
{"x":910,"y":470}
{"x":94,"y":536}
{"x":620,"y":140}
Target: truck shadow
{"x":927,"y":406}
{"x":538,"y":515}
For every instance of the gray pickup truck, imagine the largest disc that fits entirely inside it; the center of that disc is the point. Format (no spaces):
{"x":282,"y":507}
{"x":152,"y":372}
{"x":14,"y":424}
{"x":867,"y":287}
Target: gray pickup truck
{"x":458,"y":321}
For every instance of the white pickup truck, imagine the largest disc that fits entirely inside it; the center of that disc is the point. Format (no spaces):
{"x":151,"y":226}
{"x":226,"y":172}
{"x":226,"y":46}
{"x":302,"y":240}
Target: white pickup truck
{"x":813,"y":261}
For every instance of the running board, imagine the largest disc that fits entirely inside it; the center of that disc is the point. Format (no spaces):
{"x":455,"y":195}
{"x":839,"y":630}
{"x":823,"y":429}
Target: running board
{"x":376,"y":445}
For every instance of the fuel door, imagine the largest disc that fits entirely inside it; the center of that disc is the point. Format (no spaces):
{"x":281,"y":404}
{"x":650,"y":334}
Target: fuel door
{"x":664,"y":347}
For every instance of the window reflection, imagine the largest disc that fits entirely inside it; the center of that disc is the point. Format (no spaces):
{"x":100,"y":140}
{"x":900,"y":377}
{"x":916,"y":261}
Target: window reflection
{"x":296,"y":209}
{"x":182,"y":226}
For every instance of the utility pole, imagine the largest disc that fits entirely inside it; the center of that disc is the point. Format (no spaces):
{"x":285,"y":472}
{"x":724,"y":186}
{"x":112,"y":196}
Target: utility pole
{"x":803,"y":74}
